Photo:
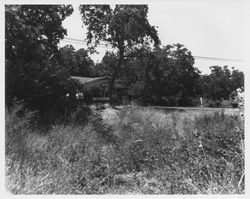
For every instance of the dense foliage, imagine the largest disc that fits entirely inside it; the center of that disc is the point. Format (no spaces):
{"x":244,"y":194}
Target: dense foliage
{"x":168,"y":77}
{"x":77,"y":62}
{"x":33,"y":73}
{"x":156,"y":77}
{"x":221,"y":82}
{"x":33,"y":31}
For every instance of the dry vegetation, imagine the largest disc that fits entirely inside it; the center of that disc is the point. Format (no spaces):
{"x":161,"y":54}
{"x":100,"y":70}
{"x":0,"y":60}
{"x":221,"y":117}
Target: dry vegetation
{"x":132,"y":150}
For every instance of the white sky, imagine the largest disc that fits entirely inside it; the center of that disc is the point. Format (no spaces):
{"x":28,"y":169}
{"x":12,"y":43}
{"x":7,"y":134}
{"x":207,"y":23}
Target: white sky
{"x":206,"y":28}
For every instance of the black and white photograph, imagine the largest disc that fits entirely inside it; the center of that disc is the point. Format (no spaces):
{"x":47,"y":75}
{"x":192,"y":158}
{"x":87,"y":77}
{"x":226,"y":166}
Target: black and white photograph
{"x":124,"y":97}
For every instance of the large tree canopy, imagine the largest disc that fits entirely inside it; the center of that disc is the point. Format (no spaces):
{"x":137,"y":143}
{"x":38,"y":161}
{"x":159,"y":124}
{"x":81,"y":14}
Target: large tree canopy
{"x":237,"y":78}
{"x":32,"y":71}
{"x":77,"y":62}
{"x":221,"y":82}
{"x":33,"y":31}
{"x":124,"y":28}
{"x":163,"y":75}
{"x":107,"y":65}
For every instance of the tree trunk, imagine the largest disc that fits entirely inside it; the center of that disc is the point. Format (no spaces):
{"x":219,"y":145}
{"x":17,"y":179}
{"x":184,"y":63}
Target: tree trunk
{"x":113,"y":78}
{"x":111,"y":85}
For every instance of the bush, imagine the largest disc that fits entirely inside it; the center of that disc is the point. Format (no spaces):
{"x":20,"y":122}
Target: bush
{"x":185,"y":101}
{"x":67,"y":159}
{"x":216,"y":143}
{"x":214,"y":103}
{"x":17,"y":126}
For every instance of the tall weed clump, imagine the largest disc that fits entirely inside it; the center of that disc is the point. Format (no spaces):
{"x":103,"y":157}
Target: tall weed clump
{"x":145,"y":141}
{"x":67,"y":159}
{"x":17,"y":126}
{"x":142,"y":135}
{"x":216,"y":147}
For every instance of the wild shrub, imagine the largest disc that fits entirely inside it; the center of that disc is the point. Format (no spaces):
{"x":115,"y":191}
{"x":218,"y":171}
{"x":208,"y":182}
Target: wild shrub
{"x":141,"y":139}
{"x":17,"y":126}
{"x":67,"y":159}
{"x":215,"y":152}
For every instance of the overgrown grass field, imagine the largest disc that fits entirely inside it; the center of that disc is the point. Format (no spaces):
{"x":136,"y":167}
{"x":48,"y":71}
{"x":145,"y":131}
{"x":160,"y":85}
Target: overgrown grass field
{"x":128,"y":151}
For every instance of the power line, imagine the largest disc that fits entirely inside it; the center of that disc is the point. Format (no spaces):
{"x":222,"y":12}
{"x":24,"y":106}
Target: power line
{"x":73,"y":42}
{"x":102,"y":45}
{"x":82,"y":41}
{"x":79,"y":43}
{"x":218,"y":58}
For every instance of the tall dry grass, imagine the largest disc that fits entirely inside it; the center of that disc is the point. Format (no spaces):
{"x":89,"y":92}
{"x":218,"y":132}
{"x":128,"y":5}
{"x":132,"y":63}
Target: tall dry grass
{"x":133,"y":150}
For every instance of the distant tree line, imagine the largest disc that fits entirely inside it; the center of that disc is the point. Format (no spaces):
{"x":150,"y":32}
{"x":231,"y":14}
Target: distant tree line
{"x":167,"y":76}
{"x":221,"y":83}
{"x":38,"y":71}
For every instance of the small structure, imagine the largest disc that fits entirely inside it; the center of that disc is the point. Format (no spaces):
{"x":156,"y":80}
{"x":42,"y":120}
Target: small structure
{"x":100,"y":87}
{"x":89,"y":83}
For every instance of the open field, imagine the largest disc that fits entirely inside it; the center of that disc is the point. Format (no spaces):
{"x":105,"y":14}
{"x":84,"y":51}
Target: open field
{"x":131,"y":150}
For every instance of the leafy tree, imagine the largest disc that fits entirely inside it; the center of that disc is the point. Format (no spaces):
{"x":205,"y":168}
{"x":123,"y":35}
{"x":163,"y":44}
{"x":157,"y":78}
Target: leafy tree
{"x":32,"y":71}
{"x":66,"y":57}
{"x":84,"y":64}
{"x":217,"y":85}
{"x":124,"y":28}
{"x":162,"y":75}
{"x":78,"y":63}
{"x":183,"y":74}
{"x":107,"y":66}
{"x":221,"y":83}
{"x":33,"y":31}
{"x":237,"y":78}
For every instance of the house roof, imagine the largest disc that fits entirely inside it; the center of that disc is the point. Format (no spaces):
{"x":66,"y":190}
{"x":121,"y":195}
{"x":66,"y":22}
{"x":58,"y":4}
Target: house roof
{"x":87,"y":80}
